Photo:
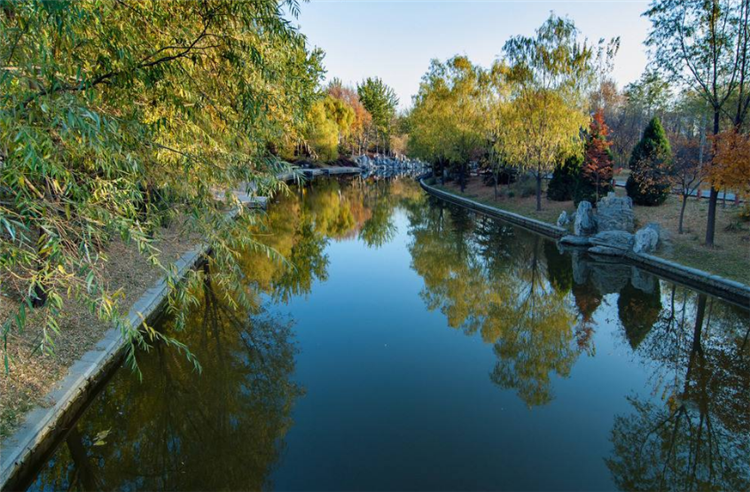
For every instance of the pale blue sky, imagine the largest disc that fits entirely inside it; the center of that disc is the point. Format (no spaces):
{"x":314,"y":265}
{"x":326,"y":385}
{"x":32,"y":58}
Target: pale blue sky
{"x":396,"y":39}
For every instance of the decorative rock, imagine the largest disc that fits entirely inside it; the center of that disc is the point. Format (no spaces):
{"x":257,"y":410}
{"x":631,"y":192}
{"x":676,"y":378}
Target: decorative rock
{"x":646,"y":240}
{"x":608,"y":273}
{"x":657,"y":228}
{"x":619,"y":240}
{"x":615,"y":213}
{"x":584,"y":223}
{"x":563,"y":220}
{"x":575,"y":240}
{"x":580,"y":267}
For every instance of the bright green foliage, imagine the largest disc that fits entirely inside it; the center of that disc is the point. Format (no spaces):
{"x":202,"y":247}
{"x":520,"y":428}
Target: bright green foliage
{"x":548,"y":73}
{"x":113,"y":112}
{"x":448,"y":124}
{"x":650,"y":167}
{"x":330,"y":120}
{"x":381,"y":102}
{"x":564,"y":179}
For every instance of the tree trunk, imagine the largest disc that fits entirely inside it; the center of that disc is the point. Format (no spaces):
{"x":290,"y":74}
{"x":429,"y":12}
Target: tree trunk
{"x":682,"y":213}
{"x":495,"y":175}
{"x":538,"y":191}
{"x":82,"y":465}
{"x":714,"y":196}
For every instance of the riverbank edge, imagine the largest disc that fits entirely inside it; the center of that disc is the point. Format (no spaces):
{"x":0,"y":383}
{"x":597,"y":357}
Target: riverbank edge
{"x":37,"y":436}
{"x":731,"y":290}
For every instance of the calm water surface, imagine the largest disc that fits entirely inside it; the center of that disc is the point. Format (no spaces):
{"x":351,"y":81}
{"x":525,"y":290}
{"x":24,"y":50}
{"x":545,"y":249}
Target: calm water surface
{"x":416,"y":346}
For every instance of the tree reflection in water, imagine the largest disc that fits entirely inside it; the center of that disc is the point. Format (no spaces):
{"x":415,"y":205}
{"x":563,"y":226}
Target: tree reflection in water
{"x":183,"y":430}
{"x":696,"y":436}
{"x":492,"y":279}
{"x":223,"y":428}
{"x":538,"y":307}
{"x":514,"y":289}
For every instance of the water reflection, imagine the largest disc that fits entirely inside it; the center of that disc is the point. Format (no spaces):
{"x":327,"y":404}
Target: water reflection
{"x":183,"y":430}
{"x":696,"y":435}
{"x":509,"y":286}
{"x":682,"y":422}
{"x":224,"y":428}
{"x":691,"y":431}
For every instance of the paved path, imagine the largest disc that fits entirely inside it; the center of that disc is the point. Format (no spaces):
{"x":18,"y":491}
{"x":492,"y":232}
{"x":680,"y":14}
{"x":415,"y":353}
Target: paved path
{"x":704,"y":193}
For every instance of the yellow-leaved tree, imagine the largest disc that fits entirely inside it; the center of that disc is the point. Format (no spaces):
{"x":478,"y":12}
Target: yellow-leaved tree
{"x":115,"y":114}
{"x":548,"y":75}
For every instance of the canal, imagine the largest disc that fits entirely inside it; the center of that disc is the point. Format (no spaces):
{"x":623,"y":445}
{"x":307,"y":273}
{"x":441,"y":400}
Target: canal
{"x":413,"y":345}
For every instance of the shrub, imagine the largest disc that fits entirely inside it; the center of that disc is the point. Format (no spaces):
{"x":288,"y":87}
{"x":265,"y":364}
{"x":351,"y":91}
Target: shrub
{"x":563,"y":183}
{"x":586,"y":190}
{"x":650,"y":166}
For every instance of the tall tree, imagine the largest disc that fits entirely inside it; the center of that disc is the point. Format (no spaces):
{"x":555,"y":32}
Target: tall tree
{"x":448,"y":124}
{"x":597,"y":171}
{"x":548,"y":73}
{"x":381,"y":101}
{"x":703,"y":45}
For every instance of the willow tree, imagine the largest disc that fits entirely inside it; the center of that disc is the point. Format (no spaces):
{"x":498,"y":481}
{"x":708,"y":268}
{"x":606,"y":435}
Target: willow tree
{"x":448,"y":124}
{"x":548,"y":74}
{"x":110,"y":108}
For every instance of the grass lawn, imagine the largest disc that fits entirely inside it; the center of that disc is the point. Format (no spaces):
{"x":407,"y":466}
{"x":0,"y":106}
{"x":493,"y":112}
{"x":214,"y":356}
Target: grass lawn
{"x":729,"y":258}
{"x":525,"y":206}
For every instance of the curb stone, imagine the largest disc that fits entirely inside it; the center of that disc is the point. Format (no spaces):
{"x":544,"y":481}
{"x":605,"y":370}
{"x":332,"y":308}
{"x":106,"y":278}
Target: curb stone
{"x":531,"y":224}
{"x":32,"y":439}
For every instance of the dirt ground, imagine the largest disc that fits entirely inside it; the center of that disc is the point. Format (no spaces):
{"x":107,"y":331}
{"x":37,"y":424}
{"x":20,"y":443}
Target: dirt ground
{"x":33,"y":373}
{"x":730,"y":257}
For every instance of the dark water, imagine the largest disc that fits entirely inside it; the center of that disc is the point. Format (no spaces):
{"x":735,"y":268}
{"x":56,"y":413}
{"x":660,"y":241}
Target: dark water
{"x":417,"y":346}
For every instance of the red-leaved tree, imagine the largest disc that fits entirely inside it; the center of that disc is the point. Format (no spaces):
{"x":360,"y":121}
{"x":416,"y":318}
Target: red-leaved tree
{"x":597,"y":170}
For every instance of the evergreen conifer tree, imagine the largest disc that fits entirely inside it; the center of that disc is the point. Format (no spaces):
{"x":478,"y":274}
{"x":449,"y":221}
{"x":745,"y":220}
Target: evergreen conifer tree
{"x":650,"y":165}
